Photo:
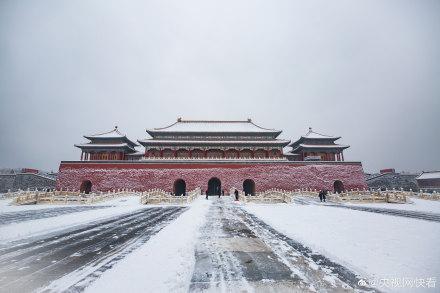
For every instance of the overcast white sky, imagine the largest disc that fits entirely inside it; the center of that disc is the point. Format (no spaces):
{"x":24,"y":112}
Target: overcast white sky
{"x":368,"y":71}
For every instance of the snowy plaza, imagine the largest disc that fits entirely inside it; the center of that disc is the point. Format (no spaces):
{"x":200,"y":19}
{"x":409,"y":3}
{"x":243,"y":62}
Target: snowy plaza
{"x":219,"y":245}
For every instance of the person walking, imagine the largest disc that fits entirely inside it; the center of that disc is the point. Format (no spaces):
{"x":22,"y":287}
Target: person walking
{"x":236,"y":194}
{"x":206,"y":194}
{"x":320,"y":195}
{"x":324,"y":195}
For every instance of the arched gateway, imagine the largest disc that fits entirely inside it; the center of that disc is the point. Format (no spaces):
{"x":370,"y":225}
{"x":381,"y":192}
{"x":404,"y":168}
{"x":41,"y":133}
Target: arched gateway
{"x":249,"y":187}
{"x":338,"y":186}
{"x":179,"y":187}
{"x":214,"y":186}
{"x":86,"y":187}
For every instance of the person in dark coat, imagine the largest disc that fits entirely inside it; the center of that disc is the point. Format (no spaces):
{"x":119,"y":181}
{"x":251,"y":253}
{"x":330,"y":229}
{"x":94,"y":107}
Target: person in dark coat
{"x":320,"y":195}
{"x":324,"y":195}
{"x":206,"y":194}
{"x":236,"y":194}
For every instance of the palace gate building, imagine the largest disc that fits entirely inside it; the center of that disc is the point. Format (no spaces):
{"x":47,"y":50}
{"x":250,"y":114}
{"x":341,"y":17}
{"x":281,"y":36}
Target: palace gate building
{"x":212,"y":155}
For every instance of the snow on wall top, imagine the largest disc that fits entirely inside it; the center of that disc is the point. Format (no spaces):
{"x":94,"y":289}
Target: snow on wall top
{"x":429,"y":175}
{"x":194,"y":126}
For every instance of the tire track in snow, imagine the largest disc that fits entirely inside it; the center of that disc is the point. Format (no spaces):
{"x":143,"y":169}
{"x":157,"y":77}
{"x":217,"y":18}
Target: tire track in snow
{"x":22,"y":216}
{"x":238,"y":252}
{"x":29,"y":266}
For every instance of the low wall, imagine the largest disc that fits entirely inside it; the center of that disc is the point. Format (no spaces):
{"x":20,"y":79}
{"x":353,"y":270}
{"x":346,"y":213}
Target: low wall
{"x":24,"y":181}
{"x":143,"y":176}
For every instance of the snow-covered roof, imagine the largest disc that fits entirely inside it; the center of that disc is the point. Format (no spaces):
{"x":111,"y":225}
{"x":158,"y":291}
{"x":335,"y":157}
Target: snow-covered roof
{"x":429,"y":175}
{"x":113,"y":134}
{"x":214,"y":142}
{"x":105,"y":146}
{"x":313,"y":134}
{"x":203,"y":126}
{"x":109,"y":134}
{"x":138,"y":153}
{"x":320,"y":146}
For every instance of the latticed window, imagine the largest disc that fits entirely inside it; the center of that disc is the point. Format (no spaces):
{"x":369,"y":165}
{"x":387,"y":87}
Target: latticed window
{"x":167,"y":153}
{"x":260,"y":154}
{"x":197,"y":153}
{"x":246,"y":154}
{"x":215,"y":153}
{"x":232,"y":154}
{"x":182,"y":153}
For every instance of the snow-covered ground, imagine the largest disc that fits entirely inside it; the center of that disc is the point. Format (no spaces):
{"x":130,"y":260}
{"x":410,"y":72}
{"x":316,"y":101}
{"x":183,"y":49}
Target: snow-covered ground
{"x":166,"y":255}
{"x":52,"y":224}
{"x":163,"y":264}
{"x":377,"y":246}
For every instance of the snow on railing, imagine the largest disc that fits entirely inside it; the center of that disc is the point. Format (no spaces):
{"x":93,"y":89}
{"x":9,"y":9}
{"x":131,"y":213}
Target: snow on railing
{"x":357,"y":195}
{"x":160,"y":196}
{"x":69,"y":197}
{"x":389,"y":196}
{"x":273,"y":195}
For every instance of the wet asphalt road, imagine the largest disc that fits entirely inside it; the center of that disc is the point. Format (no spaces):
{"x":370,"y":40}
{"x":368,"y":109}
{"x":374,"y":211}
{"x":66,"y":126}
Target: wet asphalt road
{"x":27,"y":266}
{"x":237,"y":252}
{"x":16,"y":217}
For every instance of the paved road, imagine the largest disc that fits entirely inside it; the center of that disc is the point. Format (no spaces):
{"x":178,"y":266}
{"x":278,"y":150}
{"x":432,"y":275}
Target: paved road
{"x":16,"y":217}
{"x":433,"y":217}
{"x":237,"y":252}
{"x":85,"y":252}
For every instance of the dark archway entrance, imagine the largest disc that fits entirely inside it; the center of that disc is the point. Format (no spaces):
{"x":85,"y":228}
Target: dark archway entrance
{"x":214,"y":186}
{"x":179,"y":187}
{"x":86,"y":187}
{"x":338,"y":186}
{"x":249,"y":187}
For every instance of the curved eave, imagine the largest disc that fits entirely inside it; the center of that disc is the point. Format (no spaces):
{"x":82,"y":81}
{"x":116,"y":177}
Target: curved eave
{"x":320,"y":148}
{"x":304,"y":138}
{"x":105,"y":147}
{"x":123,"y":138}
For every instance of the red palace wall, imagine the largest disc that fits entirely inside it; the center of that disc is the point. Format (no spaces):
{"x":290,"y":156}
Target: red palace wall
{"x":142,"y":176}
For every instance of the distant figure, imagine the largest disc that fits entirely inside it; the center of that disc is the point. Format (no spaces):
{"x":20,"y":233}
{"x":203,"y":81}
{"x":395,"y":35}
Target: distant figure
{"x":321,"y":195}
{"x":236,"y":194}
{"x":223,"y":192}
{"x":207,"y":194}
{"x":324,"y":195}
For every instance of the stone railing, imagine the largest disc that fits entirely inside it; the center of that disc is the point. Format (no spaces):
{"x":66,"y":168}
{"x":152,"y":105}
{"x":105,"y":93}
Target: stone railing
{"x":19,"y":192}
{"x":269,"y":196}
{"x":366,"y":196}
{"x":69,"y":197}
{"x":159,"y":196}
